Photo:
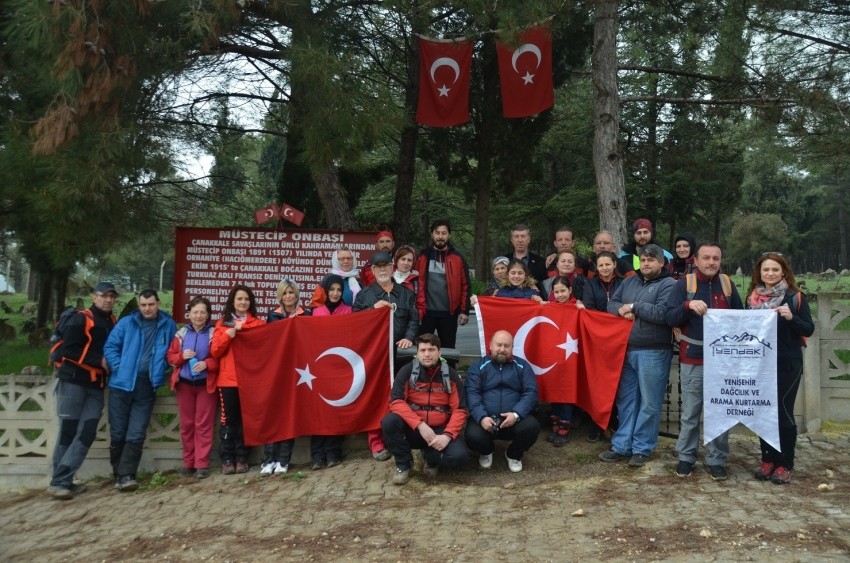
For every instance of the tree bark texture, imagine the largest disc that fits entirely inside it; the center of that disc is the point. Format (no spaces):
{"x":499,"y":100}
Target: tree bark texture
{"x":333,"y":198}
{"x":406,"y":168}
{"x":607,"y":157}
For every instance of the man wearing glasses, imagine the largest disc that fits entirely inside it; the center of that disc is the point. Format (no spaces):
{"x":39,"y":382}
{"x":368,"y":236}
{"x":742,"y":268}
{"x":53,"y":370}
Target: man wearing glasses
{"x":79,"y":388}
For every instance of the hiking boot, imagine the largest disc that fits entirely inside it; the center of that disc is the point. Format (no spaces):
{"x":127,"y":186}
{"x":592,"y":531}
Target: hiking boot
{"x":280,"y":469}
{"x":127,"y":484}
{"x":186,"y":471}
{"x":241,"y":467}
{"x":593,"y":434}
{"x":382,"y":455}
{"x":60,"y":493}
{"x":431,"y":470}
{"x":553,"y":428}
{"x":227,"y":468}
{"x":684,"y":469}
{"x":401,"y":476}
{"x":562,"y":434}
{"x":638,"y":460}
{"x":717,"y":472}
{"x":334,"y":461}
{"x":267,"y":468}
{"x":202,"y":473}
{"x":611,"y":456}
{"x":781,"y":476}
{"x":318,"y":464}
{"x":764,"y":471}
{"x":515,"y":465}
{"x":485,"y":461}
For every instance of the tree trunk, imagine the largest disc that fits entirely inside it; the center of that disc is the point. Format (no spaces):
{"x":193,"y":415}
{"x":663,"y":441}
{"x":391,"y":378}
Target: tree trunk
{"x":45,"y":293}
{"x":60,"y":285}
{"x":337,"y":212}
{"x":607,"y":159}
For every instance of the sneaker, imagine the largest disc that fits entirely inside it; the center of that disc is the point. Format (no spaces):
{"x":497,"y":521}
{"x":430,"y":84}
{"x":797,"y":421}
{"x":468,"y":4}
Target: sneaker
{"x":593,"y":434}
{"x":186,"y":471}
{"x":333,"y":461}
{"x":684,"y":469}
{"x":431,"y":471}
{"x":485,"y":461}
{"x":611,"y":456}
{"x":764,"y":471}
{"x":401,"y":476}
{"x":78,"y":488}
{"x":383,"y":455}
{"x":638,"y":460}
{"x":227,"y":468}
{"x":515,"y":465}
{"x":127,"y":484}
{"x":562,"y":434}
{"x":717,"y":472}
{"x":318,"y":464}
{"x":280,"y":469}
{"x":267,"y":468}
{"x":553,"y":430}
{"x":781,"y":476}
{"x":60,"y":493}
{"x":241,"y":467}
{"x":202,"y":473}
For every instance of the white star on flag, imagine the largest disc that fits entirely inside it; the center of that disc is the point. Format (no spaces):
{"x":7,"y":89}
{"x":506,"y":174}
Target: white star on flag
{"x":305,"y":377}
{"x":570,"y":346}
{"x":528,"y":78}
{"x":444,"y":91}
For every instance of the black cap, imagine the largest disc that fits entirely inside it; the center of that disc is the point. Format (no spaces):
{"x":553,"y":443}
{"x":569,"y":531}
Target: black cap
{"x":105,"y":287}
{"x":381,"y":258}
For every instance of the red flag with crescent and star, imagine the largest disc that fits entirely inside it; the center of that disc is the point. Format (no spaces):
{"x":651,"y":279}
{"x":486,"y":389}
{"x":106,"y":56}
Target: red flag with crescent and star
{"x":444,"y":69}
{"x":291,"y":214}
{"x":266,"y":214}
{"x":577,"y":355}
{"x":525,"y":72}
{"x":314,"y":375}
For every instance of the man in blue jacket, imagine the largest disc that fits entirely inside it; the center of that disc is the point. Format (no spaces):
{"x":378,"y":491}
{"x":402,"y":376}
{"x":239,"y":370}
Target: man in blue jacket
{"x":501,"y":393}
{"x":135,"y":352}
{"x":642,"y":298}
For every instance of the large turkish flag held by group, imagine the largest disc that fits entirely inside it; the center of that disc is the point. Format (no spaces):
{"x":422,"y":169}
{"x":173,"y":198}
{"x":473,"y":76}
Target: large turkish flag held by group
{"x":577,"y":355}
{"x":314,"y":375}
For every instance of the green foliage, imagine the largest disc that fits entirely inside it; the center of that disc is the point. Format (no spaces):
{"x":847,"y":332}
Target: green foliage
{"x":754,"y":234}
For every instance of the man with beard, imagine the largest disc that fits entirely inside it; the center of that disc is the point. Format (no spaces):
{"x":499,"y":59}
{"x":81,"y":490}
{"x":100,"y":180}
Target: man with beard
{"x":443,"y":297}
{"x":643,"y":234}
{"x":384,"y":242}
{"x":427,"y":412}
{"x":501,"y":394}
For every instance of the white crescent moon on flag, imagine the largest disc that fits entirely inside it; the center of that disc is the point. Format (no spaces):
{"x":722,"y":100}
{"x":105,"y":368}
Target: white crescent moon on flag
{"x":287,"y":212}
{"x":522,"y":334}
{"x":526,"y":48}
{"x":449,"y":62}
{"x":357,"y":383}
{"x":269,"y":213}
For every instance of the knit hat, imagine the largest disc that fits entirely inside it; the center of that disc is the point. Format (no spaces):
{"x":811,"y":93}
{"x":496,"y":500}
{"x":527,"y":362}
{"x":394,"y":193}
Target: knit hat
{"x":642,"y":224}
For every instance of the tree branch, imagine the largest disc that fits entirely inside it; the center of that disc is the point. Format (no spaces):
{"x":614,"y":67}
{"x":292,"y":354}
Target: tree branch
{"x":798,"y":35}
{"x":708,"y":101}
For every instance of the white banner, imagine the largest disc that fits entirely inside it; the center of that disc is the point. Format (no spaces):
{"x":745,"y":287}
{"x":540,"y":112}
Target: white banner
{"x":739,"y":381}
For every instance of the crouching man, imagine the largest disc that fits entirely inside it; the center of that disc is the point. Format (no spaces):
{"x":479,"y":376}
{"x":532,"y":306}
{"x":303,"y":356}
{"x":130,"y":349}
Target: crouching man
{"x":427,"y":412}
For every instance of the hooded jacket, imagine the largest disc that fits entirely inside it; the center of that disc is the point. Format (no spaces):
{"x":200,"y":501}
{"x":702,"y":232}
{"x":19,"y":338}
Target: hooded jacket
{"x":650,"y":328}
{"x":124,"y":348}
{"x":493,"y":388}
{"x":457,"y":279}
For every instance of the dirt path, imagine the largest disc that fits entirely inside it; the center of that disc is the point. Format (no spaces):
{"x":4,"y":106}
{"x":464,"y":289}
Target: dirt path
{"x":352,"y":512}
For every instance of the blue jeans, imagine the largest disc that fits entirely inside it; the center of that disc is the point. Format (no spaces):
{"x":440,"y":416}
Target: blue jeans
{"x":643,"y":383}
{"x":687,"y":445}
{"x":130,"y":412}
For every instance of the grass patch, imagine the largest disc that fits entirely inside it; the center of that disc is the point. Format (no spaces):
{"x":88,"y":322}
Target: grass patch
{"x":584,"y":458}
{"x":156,"y":481}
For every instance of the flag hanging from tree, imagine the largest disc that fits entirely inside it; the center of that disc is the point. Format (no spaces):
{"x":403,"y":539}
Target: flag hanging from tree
{"x":577,"y":355}
{"x":444,"y":69}
{"x":291,"y":214}
{"x":314,"y":375}
{"x":266,"y":214}
{"x":525,"y":72}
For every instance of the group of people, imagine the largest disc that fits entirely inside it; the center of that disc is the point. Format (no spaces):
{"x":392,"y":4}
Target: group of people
{"x":429,"y":293}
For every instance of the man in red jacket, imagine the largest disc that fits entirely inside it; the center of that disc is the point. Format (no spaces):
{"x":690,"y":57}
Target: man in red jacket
{"x":443,"y":297}
{"x":427,"y":412}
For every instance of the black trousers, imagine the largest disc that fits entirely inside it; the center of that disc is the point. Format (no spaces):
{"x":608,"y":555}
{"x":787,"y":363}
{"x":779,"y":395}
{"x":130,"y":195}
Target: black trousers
{"x":232,"y":445}
{"x":789,"y":372}
{"x":446,"y":328}
{"x":401,"y":439}
{"x":521,"y":436}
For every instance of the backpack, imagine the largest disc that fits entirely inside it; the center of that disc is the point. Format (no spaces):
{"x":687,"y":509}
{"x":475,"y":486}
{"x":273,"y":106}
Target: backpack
{"x":691,"y":290}
{"x":447,"y":386}
{"x":57,"y":341}
{"x":796,"y":299}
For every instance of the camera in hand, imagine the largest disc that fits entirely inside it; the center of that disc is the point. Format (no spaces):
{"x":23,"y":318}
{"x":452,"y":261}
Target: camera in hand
{"x":497,"y":422}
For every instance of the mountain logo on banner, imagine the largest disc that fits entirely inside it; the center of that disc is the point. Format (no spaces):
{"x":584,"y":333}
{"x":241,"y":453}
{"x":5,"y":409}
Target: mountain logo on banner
{"x":730,"y":345}
{"x":357,"y":383}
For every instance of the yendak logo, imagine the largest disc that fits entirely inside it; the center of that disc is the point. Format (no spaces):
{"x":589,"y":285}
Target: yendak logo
{"x":744,"y":345}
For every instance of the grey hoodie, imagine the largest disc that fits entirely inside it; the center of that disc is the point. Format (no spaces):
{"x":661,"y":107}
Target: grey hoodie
{"x":650,"y":329}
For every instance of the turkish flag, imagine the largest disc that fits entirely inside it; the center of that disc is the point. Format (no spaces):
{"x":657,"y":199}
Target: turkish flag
{"x":525,"y":72}
{"x":577,"y":355}
{"x":291,"y":214}
{"x":444,"y":69}
{"x":266,"y":214}
{"x":314,"y":375}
